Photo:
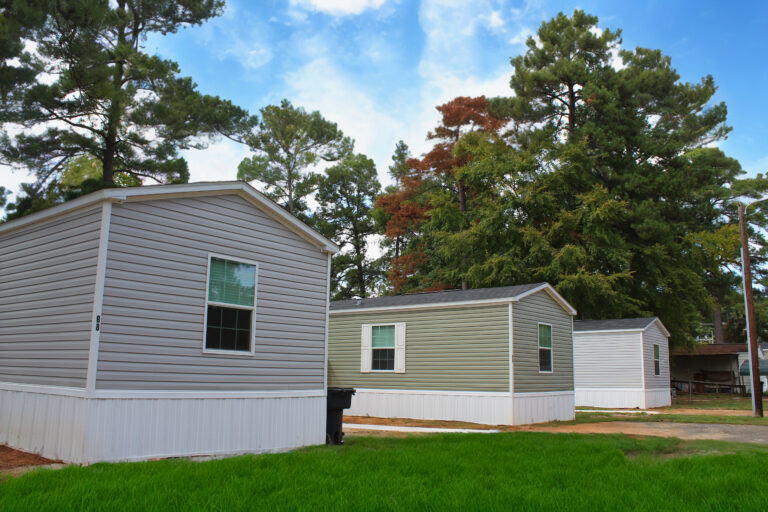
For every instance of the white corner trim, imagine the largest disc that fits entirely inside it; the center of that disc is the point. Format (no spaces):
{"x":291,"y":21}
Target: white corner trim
{"x":552,"y":292}
{"x":98,"y":298}
{"x":132,"y":394}
{"x":135,"y":394}
{"x":608,"y":331}
{"x":149,"y":192}
{"x":43,"y":389}
{"x":327,"y":308}
{"x":530,"y":394}
{"x":511,"y":351}
{"x":431,"y":392}
{"x":642,"y":362}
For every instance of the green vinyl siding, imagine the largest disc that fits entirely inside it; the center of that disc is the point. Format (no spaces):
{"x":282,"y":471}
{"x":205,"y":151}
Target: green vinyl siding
{"x":527,"y":315}
{"x":451,"y":349}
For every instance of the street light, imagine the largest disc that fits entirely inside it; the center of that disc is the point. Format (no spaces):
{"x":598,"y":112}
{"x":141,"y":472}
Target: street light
{"x":749,"y":305}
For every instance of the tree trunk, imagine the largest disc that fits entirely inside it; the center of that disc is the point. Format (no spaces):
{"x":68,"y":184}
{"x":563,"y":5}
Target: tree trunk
{"x":462,"y":196}
{"x":110,"y":141}
{"x":717,"y":314}
{"x":571,"y":109}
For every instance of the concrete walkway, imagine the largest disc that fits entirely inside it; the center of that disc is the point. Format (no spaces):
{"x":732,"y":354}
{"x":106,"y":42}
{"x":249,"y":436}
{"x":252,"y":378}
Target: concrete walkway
{"x":738,"y":433}
{"x":421,"y":430}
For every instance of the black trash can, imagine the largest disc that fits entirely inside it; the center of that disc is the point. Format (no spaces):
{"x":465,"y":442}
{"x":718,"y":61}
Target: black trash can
{"x":338,"y":400}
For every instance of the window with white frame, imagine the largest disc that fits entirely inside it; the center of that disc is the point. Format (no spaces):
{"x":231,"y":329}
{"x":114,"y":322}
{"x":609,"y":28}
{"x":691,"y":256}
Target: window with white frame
{"x":656,"y":360}
{"x":383,"y":348}
{"x":545,"y":348}
{"x":230,"y":304}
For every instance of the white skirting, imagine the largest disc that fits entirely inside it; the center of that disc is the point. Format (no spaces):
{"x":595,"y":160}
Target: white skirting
{"x":623,"y":398}
{"x":658,"y":398}
{"x":78,"y":429}
{"x":474,"y":407}
{"x":543,"y":407}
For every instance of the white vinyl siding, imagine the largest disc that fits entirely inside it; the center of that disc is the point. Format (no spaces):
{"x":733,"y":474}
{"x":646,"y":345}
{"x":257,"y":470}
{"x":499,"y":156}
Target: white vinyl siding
{"x":607,"y":360}
{"x":155,"y":295}
{"x":653,"y":336}
{"x":47,"y":282}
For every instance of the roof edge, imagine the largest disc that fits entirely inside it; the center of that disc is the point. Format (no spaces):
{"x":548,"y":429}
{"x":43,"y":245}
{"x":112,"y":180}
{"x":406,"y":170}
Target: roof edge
{"x":184,"y":189}
{"x":479,"y":302}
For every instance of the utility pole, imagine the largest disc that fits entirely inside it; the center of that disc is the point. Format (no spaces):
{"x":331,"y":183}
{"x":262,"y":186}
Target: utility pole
{"x":746,"y":273}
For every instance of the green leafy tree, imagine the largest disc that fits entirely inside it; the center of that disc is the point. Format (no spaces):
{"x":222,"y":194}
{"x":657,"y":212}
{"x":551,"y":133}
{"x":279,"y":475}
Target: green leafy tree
{"x":110,"y":98}
{"x":620,"y":185}
{"x":288,"y":142}
{"x":346,"y":195}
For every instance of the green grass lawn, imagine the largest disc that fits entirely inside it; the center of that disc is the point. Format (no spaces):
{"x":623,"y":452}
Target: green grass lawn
{"x":509,"y":471}
{"x":714,"y":401}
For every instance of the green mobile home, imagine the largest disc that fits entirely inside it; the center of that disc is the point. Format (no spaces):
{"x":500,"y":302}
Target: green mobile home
{"x":491,"y":355}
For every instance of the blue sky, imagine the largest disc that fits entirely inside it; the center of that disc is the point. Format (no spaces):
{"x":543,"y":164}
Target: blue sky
{"x":379,"y":67}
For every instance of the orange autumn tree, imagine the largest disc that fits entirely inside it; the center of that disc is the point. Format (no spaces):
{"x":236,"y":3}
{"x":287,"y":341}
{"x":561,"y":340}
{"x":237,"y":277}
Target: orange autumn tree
{"x":426,"y":184}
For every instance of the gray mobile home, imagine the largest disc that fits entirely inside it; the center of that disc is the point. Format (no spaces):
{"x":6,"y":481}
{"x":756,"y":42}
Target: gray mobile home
{"x":491,"y":355}
{"x":621,"y":363}
{"x":162,"y":321}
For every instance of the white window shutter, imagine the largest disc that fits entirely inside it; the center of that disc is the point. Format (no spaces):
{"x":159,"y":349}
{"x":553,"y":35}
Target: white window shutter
{"x":365,"y":349}
{"x":399,"y":348}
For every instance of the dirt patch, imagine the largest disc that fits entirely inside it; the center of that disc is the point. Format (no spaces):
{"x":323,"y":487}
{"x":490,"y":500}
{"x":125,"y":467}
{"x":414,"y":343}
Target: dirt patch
{"x":406,"y":422}
{"x":10,"y":458}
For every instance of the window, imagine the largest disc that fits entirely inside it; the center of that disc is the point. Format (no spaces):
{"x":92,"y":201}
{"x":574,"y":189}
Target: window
{"x":656,"y":361}
{"x":382,"y":348}
{"x":383,"y":345}
{"x":545,"y":348}
{"x":230,"y":305}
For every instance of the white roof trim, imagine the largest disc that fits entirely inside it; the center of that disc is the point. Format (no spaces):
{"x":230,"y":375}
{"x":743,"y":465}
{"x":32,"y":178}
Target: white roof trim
{"x":478,"y":302}
{"x":660,"y":325}
{"x":553,"y":293}
{"x":150,"y":192}
{"x":656,"y":321}
{"x":609,"y":331}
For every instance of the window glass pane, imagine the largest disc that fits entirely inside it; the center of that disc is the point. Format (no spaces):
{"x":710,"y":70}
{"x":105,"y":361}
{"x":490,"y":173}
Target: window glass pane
{"x":545,"y":360}
{"x":228,"y":329}
{"x":231,"y":282}
{"x":383,"y":336}
{"x":655,"y":351}
{"x":383,"y":359}
{"x":545,"y":336}
{"x":656,"y":368}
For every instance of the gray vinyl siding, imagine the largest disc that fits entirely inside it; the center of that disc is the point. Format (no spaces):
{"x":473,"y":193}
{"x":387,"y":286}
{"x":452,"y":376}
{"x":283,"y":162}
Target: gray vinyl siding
{"x":154,"y":298}
{"x":607,"y":360}
{"x":653,"y":335}
{"x":47,"y":281}
{"x":453,"y":349}
{"x":526,"y":315}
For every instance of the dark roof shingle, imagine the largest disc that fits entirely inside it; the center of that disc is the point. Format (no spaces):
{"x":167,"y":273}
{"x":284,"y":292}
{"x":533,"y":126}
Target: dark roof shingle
{"x":445,"y":296}
{"x":613,"y":324}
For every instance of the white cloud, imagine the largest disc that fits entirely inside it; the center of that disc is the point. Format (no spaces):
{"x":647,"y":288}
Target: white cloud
{"x":218,"y":162}
{"x":321,"y":85}
{"x":338,"y":7}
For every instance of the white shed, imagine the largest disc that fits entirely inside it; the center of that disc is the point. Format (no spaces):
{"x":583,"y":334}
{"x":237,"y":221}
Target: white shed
{"x":621,"y":363}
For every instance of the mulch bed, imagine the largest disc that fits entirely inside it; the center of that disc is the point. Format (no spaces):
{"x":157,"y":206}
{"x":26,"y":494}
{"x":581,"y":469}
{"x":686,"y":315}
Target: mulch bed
{"x":10,"y":459}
